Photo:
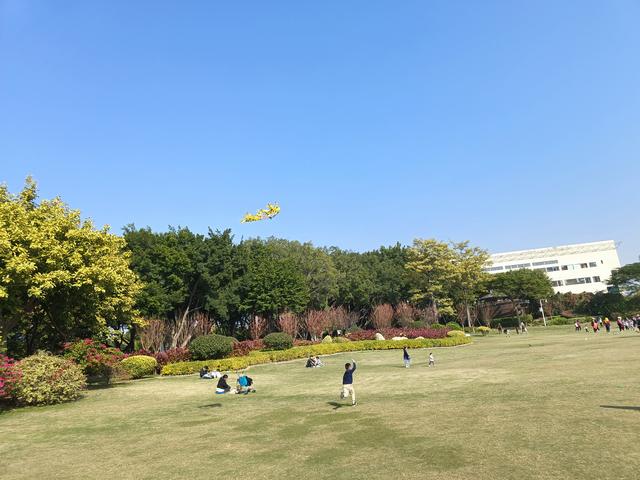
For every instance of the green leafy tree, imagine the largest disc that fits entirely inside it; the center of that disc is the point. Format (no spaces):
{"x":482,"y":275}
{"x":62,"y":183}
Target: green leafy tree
{"x":60,"y":277}
{"x":627,"y":279}
{"x":469,"y":279}
{"x":519,"y":285}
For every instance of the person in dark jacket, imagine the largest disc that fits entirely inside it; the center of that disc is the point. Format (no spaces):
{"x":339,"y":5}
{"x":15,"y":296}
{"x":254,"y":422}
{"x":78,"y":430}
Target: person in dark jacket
{"x":223,"y":386}
{"x":406,"y":357}
{"x":347,"y":382}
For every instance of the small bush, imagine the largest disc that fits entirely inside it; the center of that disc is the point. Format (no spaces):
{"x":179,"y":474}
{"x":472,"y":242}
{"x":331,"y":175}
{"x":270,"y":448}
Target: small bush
{"x":96,"y":359}
{"x":453,"y":326}
{"x":240,"y":349}
{"x":278,"y":341}
{"x":138,"y":366}
{"x":341,"y":340}
{"x":437,"y":326}
{"x":456,"y":333}
{"x":206,"y":347}
{"x":46,"y":379}
{"x":484,"y":330}
{"x":327,"y":339}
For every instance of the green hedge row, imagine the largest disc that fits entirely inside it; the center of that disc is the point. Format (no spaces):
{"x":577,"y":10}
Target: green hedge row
{"x":260,"y":357}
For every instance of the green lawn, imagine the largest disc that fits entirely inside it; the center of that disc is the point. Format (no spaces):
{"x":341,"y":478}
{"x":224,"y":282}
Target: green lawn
{"x":552,"y":404}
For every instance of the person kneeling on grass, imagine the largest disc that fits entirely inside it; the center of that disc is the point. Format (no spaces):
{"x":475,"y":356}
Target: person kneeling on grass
{"x":245,"y":384}
{"x":223,"y":386}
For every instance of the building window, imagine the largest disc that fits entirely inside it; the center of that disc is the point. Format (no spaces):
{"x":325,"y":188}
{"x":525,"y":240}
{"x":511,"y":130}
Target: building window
{"x":593,"y":264}
{"x":557,"y":283}
{"x":547,"y":262}
{"x":565,"y":267}
{"x":584,"y":265}
{"x":493,"y":269}
{"x":596,"y":279}
{"x":552,"y":269}
{"x":577,"y":281}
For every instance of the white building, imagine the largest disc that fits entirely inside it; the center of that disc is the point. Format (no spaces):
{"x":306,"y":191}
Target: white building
{"x":583,"y":267}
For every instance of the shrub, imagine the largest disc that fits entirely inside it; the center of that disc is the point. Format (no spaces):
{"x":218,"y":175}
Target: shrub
{"x":327,"y":339}
{"x":456,"y":333}
{"x":211,"y":346}
{"x":243,"y":348}
{"x":9,"y":376}
{"x":341,"y":340}
{"x":46,"y":379}
{"x":95,"y":358}
{"x":506,"y":322}
{"x":256,"y":358}
{"x":382,"y":316}
{"x":278,"y":341}
{"x":484,"y":330}
{"x":453,"y":326}
{"x":437,"y":326}
{"x":353,"y":329}
{"x":138,"y":366}
{"x":177,"y":354}
{"x":302,"y":343}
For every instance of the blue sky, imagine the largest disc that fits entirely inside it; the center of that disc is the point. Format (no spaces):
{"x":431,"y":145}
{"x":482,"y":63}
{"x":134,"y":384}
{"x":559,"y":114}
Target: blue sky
{"x":512,"y":124}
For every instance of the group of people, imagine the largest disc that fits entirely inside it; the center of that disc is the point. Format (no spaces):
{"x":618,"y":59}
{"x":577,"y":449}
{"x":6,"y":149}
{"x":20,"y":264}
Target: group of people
{"x":406,"y":358}
{"x":244,"y":385}
{"x":313,"y":362}
{"x":521,"y":328}
{"x":597,"y":324}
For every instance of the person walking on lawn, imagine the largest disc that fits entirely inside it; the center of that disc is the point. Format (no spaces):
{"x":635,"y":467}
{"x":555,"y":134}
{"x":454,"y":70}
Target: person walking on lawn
{"x":406,"y":357}
{"x":347,"y":382}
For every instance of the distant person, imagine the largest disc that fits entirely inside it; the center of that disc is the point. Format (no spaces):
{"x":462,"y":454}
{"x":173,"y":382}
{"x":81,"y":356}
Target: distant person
{"x":223,"y":386}
{"x":347,"y":382}
{"x":523,"y":327}
{"x":311,"y":362}
{"x":578,"y":326}
{"x":499,"y":328}
{"x":406,"y":357}
{"x":432,"y":360}
{"x":594,"y":325}
{"x":620,"y":325}
{"x":607,"y":324}
{"x":318,"y":362}
{"x":206,"y":374}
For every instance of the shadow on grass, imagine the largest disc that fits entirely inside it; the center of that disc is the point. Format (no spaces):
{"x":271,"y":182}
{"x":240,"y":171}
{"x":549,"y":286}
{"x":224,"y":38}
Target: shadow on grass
{"x":211,"y":405}
{"x":335,"y":405}
{"x":104,"y":386}
{"x":621,"y":407}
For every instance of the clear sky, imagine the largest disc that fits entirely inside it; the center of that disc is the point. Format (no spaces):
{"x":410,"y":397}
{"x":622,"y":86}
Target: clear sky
{"x":512,"y":124}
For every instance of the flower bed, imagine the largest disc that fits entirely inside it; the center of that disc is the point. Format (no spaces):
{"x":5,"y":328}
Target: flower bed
{"x":399,"y":332}
{"x":260,"y":357}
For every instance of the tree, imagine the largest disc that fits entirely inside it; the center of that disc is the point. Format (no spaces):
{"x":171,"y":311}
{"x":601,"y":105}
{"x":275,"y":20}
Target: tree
{"x":524,"y":284}
{"x":432,"y":265}
{"x":627,"y":279}
{"x":60,"y":277}
{"x":469,"y":278}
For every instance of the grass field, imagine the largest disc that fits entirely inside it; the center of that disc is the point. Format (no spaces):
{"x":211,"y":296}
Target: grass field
{"x":552,"y":404}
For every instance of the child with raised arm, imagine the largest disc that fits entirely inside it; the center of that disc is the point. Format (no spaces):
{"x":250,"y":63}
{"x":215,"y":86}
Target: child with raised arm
{"x":347,"y":382}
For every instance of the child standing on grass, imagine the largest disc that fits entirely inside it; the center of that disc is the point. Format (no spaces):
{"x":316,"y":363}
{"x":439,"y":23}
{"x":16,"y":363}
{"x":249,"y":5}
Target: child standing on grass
{"x":432,"y":360}
{"x":347,"y":382}
{"x":406,"y":357}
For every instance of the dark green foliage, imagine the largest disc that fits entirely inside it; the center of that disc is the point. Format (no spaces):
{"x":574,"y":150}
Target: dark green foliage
{"x":210,"y":347}
{"x":522,"y":284}
{"x":453,"y":326}
{"x":436,"y":326}
{"x":627,"y":279}
{"x":278,"y":341}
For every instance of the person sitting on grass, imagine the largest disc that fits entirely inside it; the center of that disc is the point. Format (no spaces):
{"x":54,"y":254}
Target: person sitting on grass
{"x":205,"y":373}
{"x":245,"y":384}
{"x":318,"y":362}
{"x":223,"y":386}
{"x":311,"y":362}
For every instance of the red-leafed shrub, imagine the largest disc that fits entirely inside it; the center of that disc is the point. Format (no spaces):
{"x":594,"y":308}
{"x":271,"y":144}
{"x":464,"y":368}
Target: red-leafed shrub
{"x":399,"y":332}
{"x":382,"y":316}
{"x":9,"y":376}
{"x":304,"y":343}
{"x":95,"y":358}
{"x":177,"y":354}
{"x":240,"y":349}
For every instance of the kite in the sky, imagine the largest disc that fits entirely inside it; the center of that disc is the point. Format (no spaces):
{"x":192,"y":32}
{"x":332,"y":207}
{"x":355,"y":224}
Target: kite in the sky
{"x":271,"y":211}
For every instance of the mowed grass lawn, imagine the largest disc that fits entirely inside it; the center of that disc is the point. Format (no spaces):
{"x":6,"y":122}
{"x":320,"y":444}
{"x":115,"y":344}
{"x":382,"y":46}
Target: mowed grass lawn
{"x":552,"y":404}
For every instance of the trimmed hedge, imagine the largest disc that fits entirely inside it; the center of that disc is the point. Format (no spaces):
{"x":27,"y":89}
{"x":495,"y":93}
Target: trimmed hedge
{"x":211,"y":346}
{"x":327,"y":339}
{"x":256,"y":358}
{"x":278,"y":341}
{"x":484,"y":330}
{"x":138,"y":366}
{"x":456,"y":333}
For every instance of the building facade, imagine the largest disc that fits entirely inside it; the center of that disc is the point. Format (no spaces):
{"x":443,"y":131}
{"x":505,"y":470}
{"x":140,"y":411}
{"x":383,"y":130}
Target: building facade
{"x":583,"y":267}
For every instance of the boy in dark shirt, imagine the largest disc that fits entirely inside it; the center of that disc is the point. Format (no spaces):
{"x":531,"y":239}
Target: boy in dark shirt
{"x":223,"y":386}
{"x":347,"y":382}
